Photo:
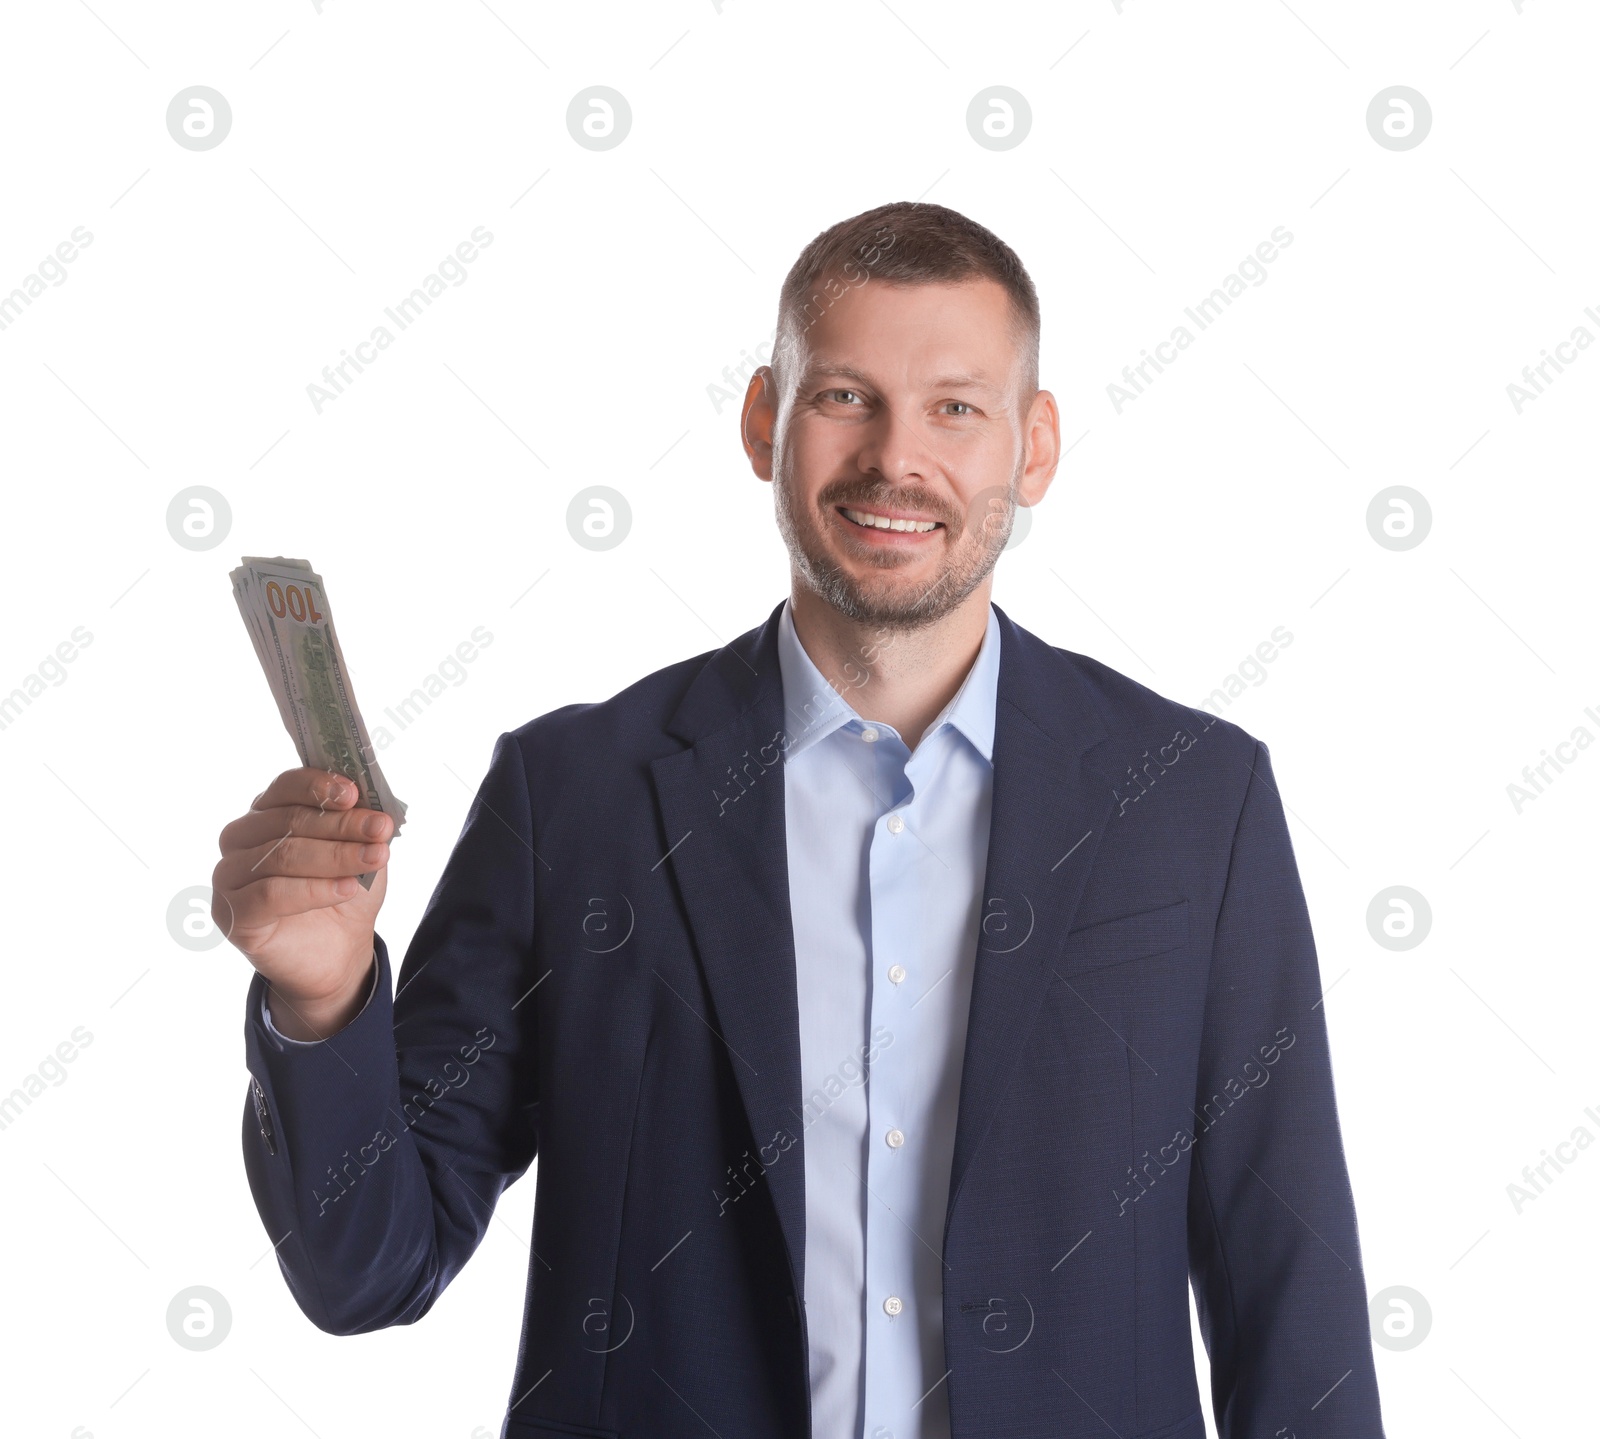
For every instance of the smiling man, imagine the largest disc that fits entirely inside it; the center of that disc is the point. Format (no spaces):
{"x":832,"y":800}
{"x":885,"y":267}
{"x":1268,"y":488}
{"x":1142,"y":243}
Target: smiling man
{"x":904,"y":1012}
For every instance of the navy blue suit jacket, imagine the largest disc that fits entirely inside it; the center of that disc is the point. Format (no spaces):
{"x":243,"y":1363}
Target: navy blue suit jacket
{"x":604,"y":978}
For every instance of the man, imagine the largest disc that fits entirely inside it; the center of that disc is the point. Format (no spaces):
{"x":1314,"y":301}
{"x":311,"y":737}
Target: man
{"x":903,"y":1011}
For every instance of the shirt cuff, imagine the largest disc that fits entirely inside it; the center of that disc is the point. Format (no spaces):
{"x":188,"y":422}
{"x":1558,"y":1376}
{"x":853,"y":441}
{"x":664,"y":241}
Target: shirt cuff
{"x":272,"y":1029}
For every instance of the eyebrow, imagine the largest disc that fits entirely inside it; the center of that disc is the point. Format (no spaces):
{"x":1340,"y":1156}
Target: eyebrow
{"x":976,"y":380}
{"x":828,"y":370}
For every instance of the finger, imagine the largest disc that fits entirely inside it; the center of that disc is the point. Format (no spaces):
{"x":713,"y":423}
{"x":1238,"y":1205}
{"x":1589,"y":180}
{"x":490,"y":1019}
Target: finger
{"x":262,"y":826}
{"x":320,"y":788}
{"x":265,"y":901}
{"x":298,"y":855}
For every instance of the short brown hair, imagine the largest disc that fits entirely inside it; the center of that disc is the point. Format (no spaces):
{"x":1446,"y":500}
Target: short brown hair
{"x":908,"y":243}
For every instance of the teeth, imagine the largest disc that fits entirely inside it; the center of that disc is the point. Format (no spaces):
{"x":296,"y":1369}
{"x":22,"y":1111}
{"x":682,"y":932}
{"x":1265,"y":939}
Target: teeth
{"x":881,"y":522}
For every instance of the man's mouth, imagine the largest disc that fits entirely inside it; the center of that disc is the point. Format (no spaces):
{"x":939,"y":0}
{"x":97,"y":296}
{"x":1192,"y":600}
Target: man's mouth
{"x":869,"y":520}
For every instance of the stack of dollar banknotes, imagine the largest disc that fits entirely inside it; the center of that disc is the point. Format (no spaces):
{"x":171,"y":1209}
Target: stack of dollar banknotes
{"x":285,"y":608}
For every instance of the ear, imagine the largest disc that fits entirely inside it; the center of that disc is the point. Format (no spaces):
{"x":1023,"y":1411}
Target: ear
{"x":1041,"y":439}
{"x":757,"y":418}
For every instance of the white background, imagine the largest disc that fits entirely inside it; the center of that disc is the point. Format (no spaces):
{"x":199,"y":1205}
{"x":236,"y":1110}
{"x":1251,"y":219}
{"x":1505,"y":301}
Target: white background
{"x":1167,"y":141}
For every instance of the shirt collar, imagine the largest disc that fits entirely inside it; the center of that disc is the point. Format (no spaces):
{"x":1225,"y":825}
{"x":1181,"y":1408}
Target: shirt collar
{"x":815,"y":709}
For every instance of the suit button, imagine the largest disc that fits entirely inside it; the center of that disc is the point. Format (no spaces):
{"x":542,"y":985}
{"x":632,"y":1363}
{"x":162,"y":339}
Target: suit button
{"x":893,"y":1305}
{"x":263,"y":1115}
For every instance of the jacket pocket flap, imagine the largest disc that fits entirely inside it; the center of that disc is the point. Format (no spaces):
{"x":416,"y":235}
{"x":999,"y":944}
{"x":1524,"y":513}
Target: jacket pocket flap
{"x":531,"y":1428}
{"x":1134,"y":936}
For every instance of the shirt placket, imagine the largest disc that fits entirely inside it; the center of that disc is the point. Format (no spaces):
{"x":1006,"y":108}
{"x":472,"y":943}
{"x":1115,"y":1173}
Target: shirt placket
{"x":892,"y":1351}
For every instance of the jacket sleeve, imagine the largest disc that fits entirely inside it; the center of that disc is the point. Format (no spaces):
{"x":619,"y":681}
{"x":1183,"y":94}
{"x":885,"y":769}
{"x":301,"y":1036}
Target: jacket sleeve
{"x":375,"y":1157}
{"x":1273,"y":1250}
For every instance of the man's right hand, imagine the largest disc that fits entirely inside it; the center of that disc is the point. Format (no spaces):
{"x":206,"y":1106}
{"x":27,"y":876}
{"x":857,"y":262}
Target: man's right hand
{"x":285,"y":894}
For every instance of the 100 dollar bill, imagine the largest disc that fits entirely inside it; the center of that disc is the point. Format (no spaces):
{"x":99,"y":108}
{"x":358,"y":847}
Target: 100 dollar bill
{"x":284,"y":605}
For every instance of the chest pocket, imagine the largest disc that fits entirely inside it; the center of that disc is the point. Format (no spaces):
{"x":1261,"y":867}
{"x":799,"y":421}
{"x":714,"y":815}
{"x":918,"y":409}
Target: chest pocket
{"x":1120,"y":941}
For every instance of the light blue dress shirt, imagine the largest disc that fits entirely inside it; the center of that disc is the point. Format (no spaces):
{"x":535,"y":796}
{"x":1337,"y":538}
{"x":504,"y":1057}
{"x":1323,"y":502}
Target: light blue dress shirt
{"x":887,"y":848}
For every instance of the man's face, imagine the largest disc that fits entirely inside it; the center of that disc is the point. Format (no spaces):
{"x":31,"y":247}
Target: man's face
{"x":900,"y":404}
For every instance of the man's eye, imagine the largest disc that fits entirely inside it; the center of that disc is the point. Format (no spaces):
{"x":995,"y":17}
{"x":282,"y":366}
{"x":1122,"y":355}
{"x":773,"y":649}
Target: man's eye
{"x":851,"y":396}
{"x":958,"y":407}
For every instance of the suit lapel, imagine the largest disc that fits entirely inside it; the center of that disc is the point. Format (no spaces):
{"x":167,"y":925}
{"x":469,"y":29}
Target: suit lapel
{"x":722,"y":802}
{"x":1049,"y":811}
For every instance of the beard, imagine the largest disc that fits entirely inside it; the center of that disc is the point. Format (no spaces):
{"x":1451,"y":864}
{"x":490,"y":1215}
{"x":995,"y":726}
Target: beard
{"x":972,"y":544}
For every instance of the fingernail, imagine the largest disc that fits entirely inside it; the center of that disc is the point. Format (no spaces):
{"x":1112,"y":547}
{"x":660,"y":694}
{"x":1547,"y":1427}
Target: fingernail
{"x":374,"y":825}
{"x":345,"y":886}
{"x":371,"y":853}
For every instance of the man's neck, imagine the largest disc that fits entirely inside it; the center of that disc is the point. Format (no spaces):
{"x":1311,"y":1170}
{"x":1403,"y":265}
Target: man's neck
{"x":895,"y":677}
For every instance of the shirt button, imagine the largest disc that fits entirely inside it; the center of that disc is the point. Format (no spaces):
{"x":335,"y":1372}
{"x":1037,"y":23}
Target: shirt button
{"x":896,"y":824}
{"x":869,"y":734}
{"x":897,"y":973}
{"x":893,"y":1305}
{"x":894,"y":1139}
